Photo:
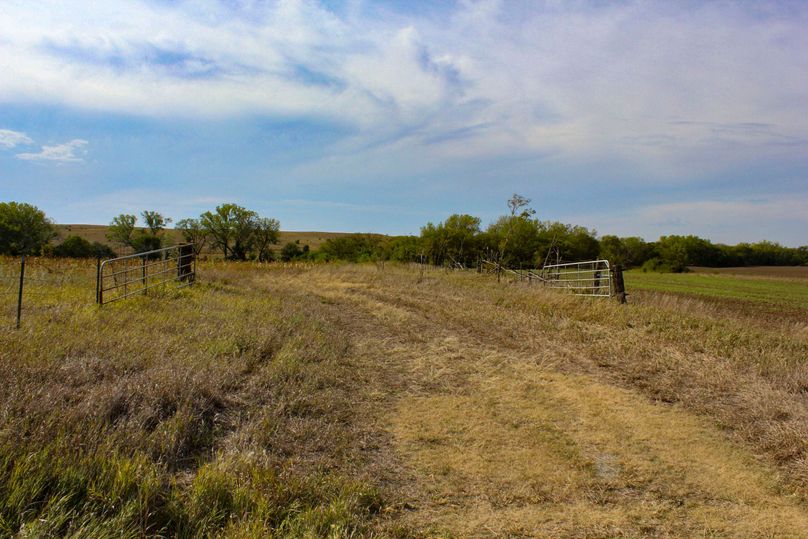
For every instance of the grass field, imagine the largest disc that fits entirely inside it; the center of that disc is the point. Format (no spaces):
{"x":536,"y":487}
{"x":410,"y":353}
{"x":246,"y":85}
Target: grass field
{"x":776,"y":286}
{"x":364,"y":400}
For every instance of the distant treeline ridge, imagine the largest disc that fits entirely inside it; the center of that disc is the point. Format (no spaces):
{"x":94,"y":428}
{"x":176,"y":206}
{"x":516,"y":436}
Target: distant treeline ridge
{"x":516,"y":239}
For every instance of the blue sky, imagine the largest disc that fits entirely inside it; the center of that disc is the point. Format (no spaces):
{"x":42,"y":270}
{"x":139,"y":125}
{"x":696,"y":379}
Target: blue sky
{"x":633,"y":118}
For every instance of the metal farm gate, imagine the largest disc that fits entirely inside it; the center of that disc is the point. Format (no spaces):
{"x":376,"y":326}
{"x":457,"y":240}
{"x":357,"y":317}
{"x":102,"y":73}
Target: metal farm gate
{"x":126,"y":276}
{"x":590,"y":278}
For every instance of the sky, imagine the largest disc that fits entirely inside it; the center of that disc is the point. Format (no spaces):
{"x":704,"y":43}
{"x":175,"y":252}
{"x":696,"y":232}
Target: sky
{"x":631,"y":118}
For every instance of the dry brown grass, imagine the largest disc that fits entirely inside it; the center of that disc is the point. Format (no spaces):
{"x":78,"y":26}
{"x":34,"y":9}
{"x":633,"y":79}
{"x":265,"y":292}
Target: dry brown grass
{"x":394,"y":404}
{"x":217,"y":409}
{"x":499,"y":372}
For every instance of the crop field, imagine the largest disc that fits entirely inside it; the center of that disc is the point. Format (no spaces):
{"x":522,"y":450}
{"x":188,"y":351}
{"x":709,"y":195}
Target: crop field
{"x":787,"y":272}
{"x":770,"y":290}
{"x":381,"y":400}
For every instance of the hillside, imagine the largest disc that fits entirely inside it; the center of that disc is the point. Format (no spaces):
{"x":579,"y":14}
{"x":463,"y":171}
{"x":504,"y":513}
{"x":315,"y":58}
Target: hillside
{"x":98,"y":233}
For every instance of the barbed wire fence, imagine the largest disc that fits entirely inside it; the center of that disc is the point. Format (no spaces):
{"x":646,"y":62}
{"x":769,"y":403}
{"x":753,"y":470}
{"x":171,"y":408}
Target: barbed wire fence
{"x":11,"y":287}
{"x":32,"y":282}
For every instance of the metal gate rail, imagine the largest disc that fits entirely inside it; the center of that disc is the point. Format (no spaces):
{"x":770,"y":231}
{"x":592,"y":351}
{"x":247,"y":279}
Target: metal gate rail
{"x":590,"y":278}
{"x":126,"y":276}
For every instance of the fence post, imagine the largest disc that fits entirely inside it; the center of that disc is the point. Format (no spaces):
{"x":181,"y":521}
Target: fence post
{"x":619,"y":285}
{"x":185,"y":262}
{"x":19,"y":296}
{"x":98,"y":279}
{"x":143,"y":273}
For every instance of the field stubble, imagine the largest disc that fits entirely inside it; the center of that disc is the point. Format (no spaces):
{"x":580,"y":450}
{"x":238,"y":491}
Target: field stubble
{"x":349,"y":400}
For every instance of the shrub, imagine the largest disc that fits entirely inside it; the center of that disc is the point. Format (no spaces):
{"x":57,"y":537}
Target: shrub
{"x":663,"y":266}
{"x":291,"y":251}
{"x":78,"y":247}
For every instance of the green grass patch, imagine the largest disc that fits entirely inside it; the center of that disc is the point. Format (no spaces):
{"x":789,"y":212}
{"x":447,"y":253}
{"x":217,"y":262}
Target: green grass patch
{"x":793,"y":293}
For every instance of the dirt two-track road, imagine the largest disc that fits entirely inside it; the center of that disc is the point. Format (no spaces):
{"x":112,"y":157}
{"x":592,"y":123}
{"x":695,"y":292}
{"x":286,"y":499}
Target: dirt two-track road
{"x":508,"y":411}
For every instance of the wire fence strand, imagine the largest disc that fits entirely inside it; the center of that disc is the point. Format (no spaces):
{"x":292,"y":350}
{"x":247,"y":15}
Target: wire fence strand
{"x":47,"y":284}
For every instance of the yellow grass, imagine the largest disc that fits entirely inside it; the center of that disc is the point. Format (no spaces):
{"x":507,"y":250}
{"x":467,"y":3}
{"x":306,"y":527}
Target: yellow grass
{"x":393,"y":403}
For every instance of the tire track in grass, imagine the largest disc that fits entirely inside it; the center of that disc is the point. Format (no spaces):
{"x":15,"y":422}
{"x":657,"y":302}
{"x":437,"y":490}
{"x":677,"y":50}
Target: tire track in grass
{"x":494,"y":440}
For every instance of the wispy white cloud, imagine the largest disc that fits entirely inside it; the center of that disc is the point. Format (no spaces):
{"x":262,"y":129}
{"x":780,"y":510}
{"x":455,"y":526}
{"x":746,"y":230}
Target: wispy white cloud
{"x":686,"y":87}
{"x":69,"y":152}
{"x":10,"y":139}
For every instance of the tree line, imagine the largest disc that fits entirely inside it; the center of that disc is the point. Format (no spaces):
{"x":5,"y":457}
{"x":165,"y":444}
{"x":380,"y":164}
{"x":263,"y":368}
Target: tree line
{"x":535,"y":242}
{"x":516,"y":239}
{"x":237,"y":232}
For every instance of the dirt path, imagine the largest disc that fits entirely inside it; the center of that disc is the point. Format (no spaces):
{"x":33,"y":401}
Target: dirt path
{"x":496,"y":434}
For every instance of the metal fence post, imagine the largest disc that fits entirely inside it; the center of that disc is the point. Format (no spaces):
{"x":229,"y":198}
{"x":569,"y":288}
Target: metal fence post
{"x":143,"y":273}
{"x":19,"y":296}
{"x":98,"y":279}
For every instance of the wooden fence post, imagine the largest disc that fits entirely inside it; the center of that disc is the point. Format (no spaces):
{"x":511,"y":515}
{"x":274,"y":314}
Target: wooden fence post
{"x":185,"y":260}
{"x":619,"y":285}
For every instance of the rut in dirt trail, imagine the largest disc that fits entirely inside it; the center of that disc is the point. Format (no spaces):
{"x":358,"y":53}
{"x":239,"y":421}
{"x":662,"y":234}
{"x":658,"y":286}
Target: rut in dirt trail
{"x":499,"y":423}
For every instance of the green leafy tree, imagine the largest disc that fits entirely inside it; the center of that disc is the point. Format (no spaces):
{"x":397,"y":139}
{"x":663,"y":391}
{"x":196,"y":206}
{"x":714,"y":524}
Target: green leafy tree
{"x":575,"y":243}
{"x":193,"y":232}
{"x":404,"y":249}
{"x":678,"y":252}
{"x":24,"y":229}
{"x":763,"y":253}
{"x":628,"y":252}
{"x":613,"y":250}
{"x":231,"y":228}
{"x":219,"y":226}
{"x":352,"y":248}
{"x":155,"y":222}
{"x":520,"y":214}
{"x":244,"y":228}
{"x":122,"y":230}
{"x":514,"y":240}
{"x":266,"y":234}
{"x":637,"y":251}
{"x":433,"y":241}
{"x":452,"y":241}
{"x":461,"y":231}
{"x":151,"y":238}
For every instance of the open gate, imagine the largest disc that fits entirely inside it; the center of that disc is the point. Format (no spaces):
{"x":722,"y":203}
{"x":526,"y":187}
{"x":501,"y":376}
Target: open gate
{"x":126,"y":276}
{"x":590,"y":278}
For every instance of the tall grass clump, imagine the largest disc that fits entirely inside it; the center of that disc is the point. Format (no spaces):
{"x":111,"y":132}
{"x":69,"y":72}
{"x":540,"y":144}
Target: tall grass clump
{"x":216,"y":410}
